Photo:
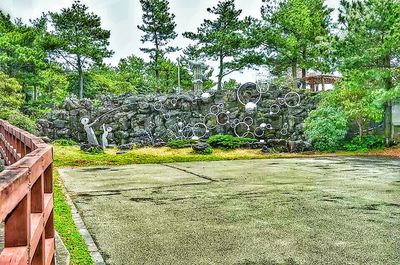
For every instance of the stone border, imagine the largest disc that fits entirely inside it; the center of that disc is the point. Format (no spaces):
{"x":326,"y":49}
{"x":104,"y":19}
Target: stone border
{"x":62,"y":254}
{"x":93,"y":250}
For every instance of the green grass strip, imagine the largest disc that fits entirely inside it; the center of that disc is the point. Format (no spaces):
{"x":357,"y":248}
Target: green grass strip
{"x":66,"y":228}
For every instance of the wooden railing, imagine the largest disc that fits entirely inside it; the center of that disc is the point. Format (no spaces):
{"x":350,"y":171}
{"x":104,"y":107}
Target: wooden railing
{"x":26,"y":198}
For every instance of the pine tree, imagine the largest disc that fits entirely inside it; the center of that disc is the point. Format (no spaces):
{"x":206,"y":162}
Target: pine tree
{"x":294,"y":33}
{"x":368,"y":47}
{"x":81,"y":42}
{"x":159,"y":29}
{"x":222,"y":39}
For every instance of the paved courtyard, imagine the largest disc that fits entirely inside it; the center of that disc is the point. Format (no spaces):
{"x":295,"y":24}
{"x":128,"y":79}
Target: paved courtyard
{"x":283,"y":211}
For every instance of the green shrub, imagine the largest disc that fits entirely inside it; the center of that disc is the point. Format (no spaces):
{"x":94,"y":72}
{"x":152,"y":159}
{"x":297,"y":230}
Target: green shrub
{"x":91,"y":149}
{"x":64,"y":142}
{"x":18,"y":119}
{"x":181,"y":143}
{"x":228,"y":141}
{"x":326,"y":128}
{"x":206,"y":151}
{"x":365,"y":143}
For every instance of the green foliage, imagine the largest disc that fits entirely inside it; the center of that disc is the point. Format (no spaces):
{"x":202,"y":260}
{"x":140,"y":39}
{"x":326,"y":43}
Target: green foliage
{"x":64,"y":142}
{"x":107,"y":80}
{"x":231,"y":84}
{"x":11,"y":96}
{"x":65,"y":226}
{"x":228,"y":141}
{"x":294,"y":33}
{"x":360,"y":103}
{"x":22,"y":55}
{"x":159,"y":29}
{"x":16,"y":118}
{"x":368,"y":44}
{"x":181,"y":143}
{"x":326,"y":127}
{"x":80,"y":41}
{"x":94,"y":150}
{"x":207,"y":151}
{"x":363,"y":144}
{"x":11,"y":99}
{"x":222,"y":39}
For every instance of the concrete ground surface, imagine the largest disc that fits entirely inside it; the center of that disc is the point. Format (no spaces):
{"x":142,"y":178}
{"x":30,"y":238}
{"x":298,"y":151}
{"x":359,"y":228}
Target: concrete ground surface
{"x":281,"y":211}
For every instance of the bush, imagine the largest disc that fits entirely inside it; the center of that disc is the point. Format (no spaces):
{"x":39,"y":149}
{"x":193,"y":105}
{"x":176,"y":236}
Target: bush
{"x":326,"y":128}
{"x":228,"y":141}
{"x":92,"y":149}
{"x":20,"y":120}
{"x":181,"y":143}
{"x":206,"y":151}
{"x":365,"y":143}
{"x":64,"y":142}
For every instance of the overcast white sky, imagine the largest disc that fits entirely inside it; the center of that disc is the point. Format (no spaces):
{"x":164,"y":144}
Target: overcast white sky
{"x":123,"y":16}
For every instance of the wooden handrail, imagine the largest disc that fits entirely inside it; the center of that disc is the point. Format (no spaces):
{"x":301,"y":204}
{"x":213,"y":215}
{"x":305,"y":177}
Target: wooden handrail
{"x":26,"y":198}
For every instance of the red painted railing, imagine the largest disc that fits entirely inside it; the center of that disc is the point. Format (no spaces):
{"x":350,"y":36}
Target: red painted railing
{"x":26,"y":198}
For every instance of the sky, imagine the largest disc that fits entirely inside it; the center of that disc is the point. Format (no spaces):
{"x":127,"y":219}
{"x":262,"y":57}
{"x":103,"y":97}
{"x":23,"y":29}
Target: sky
{"x":123,"y":16}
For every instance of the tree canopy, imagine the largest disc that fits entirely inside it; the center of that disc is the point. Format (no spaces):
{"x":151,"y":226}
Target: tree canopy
{"x":80,"y":42}
{"x":222,"y":39}
{"x":62,"y":53}
{"x":159,"y":29}
{"x":294,"y":33}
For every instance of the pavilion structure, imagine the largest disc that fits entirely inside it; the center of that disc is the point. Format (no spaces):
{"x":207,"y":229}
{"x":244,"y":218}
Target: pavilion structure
{"x":318,"y":82}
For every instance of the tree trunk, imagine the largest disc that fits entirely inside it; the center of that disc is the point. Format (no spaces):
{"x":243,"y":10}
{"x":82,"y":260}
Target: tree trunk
{"x":303,"y":70}
{"x":388,"y":107}
{"x":157,"y":71}
{"x":360,"y":129}
{"x":221,"y":71}
{"x":156,"y":57}
{"x":80,"y":84}
{"x":80,"y":74}
{"x":34,"y":96}
{"x":294,"y":70}
{"x":294,"y":74}
{"x":388,"y":124}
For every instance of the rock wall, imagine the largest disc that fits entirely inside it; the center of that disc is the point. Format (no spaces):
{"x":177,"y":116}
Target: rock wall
{"x":148,"y":119}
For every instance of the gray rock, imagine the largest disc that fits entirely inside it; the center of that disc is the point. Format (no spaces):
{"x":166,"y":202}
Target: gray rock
{"x":278,"y":145}
{"x":136,"y":113}
{"x":200,"y":147}
{"x":59,"y":124}
{"x":46,"y":139}
{"x":299,"y":146}
{"x":126,"y":146}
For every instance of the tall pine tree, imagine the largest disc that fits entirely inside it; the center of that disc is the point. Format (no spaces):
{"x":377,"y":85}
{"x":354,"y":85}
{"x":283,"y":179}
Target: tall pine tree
{"x":368,"y":47}
{"x":81,"y":42}
{"x":222,"y":39}
{"x":294,"y":33}
{"x":159,"y":29}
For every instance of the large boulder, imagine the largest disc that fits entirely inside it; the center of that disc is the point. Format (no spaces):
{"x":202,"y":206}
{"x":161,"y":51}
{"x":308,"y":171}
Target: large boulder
{"x":200,"y":147}
{"x":299,"y":146}
{"x":278,"y":145}
{"x":59,"y":124}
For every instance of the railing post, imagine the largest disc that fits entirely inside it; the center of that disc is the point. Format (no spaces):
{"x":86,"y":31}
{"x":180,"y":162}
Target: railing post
{"x":17,"y":225}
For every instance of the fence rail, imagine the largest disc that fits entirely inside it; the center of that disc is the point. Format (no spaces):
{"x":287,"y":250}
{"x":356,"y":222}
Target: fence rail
{"x":26,"y":198}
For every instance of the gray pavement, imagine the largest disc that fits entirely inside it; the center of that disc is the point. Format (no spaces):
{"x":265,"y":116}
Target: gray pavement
{"x":281,"y":211}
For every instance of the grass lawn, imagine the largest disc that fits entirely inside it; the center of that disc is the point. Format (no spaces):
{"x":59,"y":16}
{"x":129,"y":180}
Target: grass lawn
{"x":71,"y":156}
{"x":66,"y":228}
